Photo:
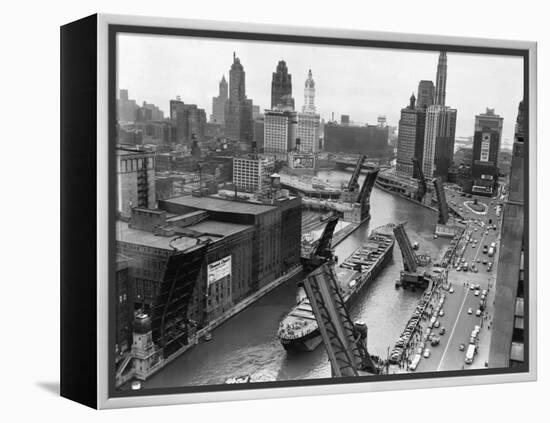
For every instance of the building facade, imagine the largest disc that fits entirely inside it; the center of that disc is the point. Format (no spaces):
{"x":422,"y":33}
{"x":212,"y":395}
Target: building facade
{"x":307,"y":131}
{"x":487,"y":137}
{"x":309,"y":94}
{"x":218,"y":103}
{"x":507,"y":348}
{"x":439,"y":137}
{"x":135,"y":180}
{"x":371,"y":140}
{"x":149,"y":112}
{"x":281,"y":87}
{"x":188,"y":120}
{"x":426,"y":94}
{"x":279,"y":131}
{"x":252,"y":174}
{"x":238,"y":109}
{"x":126,"y":108}
{"x":439,"y":134}
{"x":410,"y":139}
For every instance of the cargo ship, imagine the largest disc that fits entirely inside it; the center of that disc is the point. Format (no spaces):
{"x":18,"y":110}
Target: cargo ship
{"x":298,"y":331}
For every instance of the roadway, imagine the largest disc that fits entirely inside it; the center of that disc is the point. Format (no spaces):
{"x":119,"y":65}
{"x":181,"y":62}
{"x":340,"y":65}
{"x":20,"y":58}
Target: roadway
{"x":457,"y":322}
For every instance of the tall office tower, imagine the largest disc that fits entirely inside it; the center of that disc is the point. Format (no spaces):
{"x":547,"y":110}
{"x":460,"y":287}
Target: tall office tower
{"x":126,"y":108}
{"x":238,"y":109}
{"x":279,"y":131}
{"x":439,"y":134}
{"x":439,"y":141}
{"x":508,"y":339}
{"x":149,"y":112}
{"x":281,"y":87}
{"x":441,"y":79}
{"x":410,"y":139}
{"x":135,"y":180}
{"x":307,"y":131}
{"x":426,"y":94}
{"x":218,"y":103}
{"x":487,"y":136}
{"x":188,"y":119}
{"x":309,"y":94}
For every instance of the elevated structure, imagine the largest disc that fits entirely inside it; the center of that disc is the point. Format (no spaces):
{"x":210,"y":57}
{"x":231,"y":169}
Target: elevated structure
{"x":169,"y":310}
{"x":441,"y":201}
{"x":414,"y":273}
{"x":352,"y":184}
{"x":320,"y":252}
{"x":410,"y":260}
{"x":344,"y":341}
{"x":422,"y":186}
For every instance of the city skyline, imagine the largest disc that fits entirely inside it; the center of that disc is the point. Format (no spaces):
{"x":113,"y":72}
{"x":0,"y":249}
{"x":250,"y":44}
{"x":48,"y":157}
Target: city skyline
{"x":497,"y":81}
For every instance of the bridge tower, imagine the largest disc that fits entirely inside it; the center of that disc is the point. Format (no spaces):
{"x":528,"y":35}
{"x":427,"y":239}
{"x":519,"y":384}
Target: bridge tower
{"x":413,"y":274}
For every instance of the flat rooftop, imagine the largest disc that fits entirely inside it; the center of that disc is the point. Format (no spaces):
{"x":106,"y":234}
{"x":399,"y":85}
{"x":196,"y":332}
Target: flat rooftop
{"x":140,"y":237}
{"x":220,"y":205}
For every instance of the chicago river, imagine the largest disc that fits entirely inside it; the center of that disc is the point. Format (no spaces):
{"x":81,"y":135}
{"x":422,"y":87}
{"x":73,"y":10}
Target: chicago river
{"x":248,"y":343}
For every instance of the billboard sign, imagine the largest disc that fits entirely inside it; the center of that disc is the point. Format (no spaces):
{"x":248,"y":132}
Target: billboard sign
{"x":302,"y":161}
{"x":219,"y":270}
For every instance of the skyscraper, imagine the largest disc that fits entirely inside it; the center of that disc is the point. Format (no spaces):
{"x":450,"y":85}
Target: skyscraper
{"x":508,"y":339}
{"x":426,"y":94}
{"x":238,"y":109}
{"x":309,"y":94}
{"x":439,"y":137}
{"x":281,"y":87}
{"x":279,"y":131}
{"x":410,"y":140}
{"x":439,"y":133}
{"x":188,"y":119}
{"x":307,"y":128}
{"x":218,"y":103}
{"x":487,"y":135}
{"x":441,"y":79}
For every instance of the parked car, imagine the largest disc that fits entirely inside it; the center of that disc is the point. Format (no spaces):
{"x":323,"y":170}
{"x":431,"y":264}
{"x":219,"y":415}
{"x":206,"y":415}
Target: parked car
{"x":442,"y":331}
{"x":478,"y":312}
{"x":476,"y":292}
{"x":470,"y":311}
{"x":461,"y":347}
{"x":427,"y":353}
{"x":451,"y":290}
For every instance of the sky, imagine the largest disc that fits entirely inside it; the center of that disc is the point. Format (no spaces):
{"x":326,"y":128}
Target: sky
{"x":361,"y":82}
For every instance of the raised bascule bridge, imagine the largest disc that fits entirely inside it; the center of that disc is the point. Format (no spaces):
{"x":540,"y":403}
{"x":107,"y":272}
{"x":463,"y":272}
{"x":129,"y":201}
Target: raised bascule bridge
{"x":416,"y":271}
{"x":354,"y":202}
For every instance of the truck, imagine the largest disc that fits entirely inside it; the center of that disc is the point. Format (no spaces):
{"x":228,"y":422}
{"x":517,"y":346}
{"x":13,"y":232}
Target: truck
{"x":492,"y":249}
{"x":470,"y":354}
{"x":415,"y":361}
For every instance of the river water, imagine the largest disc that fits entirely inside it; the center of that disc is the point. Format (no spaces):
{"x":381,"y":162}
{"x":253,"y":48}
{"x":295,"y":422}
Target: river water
{"x":248,"y":344}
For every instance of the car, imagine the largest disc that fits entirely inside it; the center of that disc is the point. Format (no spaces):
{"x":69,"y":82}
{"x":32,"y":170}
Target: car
{"x":470,"y":311}
{"x":426,"y":353}
{"x":472,"y":287}
{"x":474,"y":245}
{"x":484,"y":261}
{"x":463,"y":260}
{"x":475,"y":269}
{"x":442,"y":331}
{"x":435,"y":341}
{"x":484,"y":292}
{"x":436,"y":324}
{"x":478,"y":312}
{"x":451,"y":290}
{"x":478,"y":260}
{"x":461,"y":347}
{"x":476,"y":286}
{"x":483,"y":297}
{"x":441,"y":313}
{"x":476,"y":292}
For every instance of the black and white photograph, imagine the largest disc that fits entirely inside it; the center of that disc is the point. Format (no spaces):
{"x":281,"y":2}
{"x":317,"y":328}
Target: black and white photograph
{"x":308,"y":212}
